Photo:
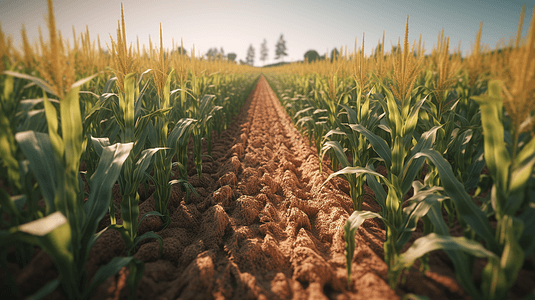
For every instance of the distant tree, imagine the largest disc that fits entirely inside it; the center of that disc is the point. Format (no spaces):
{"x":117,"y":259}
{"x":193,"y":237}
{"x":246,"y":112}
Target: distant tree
{"x":231,"y":57}
{"x":263,"y":51}
{"x":334,"y":54}
{"x":377,"y":50}
{"x":182,"y":51}
{"x":214,"y":53}
{"x":280,"y":48}
{"x":312,"y":55}
{"x":250,"y":56}
{"x":395,"y":49}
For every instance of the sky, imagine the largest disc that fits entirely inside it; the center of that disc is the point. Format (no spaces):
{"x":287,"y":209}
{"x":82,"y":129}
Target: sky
{"x":233,"y":25}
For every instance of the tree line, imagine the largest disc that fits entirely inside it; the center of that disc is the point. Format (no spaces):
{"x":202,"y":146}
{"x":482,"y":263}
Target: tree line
{"x":280,"y":51}
{"x":215,"y":53}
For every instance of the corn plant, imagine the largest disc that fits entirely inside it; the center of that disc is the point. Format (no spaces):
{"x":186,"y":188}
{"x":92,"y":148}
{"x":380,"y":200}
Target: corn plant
{"x":203,"y":115}
{"x":401,"y":121}
{"x":315,"y":120}
{"x":395,"y":217}
{"x":21,"y":203}
{"x":358,"y":145}
{"x":511,"y":166}
{"x":132,"y":130}
{"x":67,"y":233}
{"x":513,"y":238}
{"x":159,"y":137}
{"x":100,"y":121}
{"x":132,"y":127}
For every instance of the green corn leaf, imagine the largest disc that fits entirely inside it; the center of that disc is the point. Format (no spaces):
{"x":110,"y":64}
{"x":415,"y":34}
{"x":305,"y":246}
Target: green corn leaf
{"x":182,"y":91}
{"x":8,"y":148}
{"x":156,"y":113}
{"x":350,"y":228}
{"x":150,"y":213}
{"x":95,"y":237}
{"x":334,"y":131}
{"x":144,"y":162}
{"x":320,"y":111}
{"x":365,"y":109}
{"x":186,"y":184}
{"x":494,"y":281}
{"x":102,"y":182}
{"x":338,"y":151}
{"x":109,"y":85}
{"x":150,"y":235}
{"x":34,"y":120}
{"x":513,"y":255}
{"x":466,"y":207}
{"x":53,"y":234}
{"x":45,"y":290}
{"x":138,"y":110}
{"x":526,"y":154}
{"x":143,"y":75}
{"x":410,"y":123}
{"x":377,"y":188}
{"x":205,"y":105}
{"x":167,"y":89}
{"x":412,"y":168}
{"x":8,"y":83}
{"x":496,"y":154}
{"x":181,"y":128}
{"x":19,"y":201}
{"x":399,"y":153}
{"x":432,"y":242}
{"x":471,"y":177}
{"x":82,"y":81}
{"x":139,"y":145}
{"x":136,"y":270}
{"x":460,"y":260}
{"x":8,"y":204}
{"x":71,"y":127}
{"x":305,"y":110}
{"x":42,"y":227}
{"x":38,"y":81}
{"x":378,"y":144}
{"x":393,"y":114}
{"x":123,"y":231}
{"x":304,"y":120}
{"x":417,"y":207}
{"x":128,"y":106}
{"x":520,"y":176}
{"x":110,"y":269}
{"x":358,"y":171}
{"x":527,"y":240}
{"x":383,"y":125}
{"x":52,"y":122}
{"x":37,"y":148}
{"x":99,"y":144}
{"x":351,"y":114}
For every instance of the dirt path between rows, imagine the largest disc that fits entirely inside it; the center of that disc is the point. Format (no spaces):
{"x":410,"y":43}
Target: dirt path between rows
{"x":262,"y":227}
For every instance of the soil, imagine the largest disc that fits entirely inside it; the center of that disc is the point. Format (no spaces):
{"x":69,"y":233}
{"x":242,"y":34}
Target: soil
{"x":264,"y":226}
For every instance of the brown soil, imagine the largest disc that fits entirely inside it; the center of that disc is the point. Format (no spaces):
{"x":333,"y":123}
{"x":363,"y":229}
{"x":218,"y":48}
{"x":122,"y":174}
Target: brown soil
{"x":264,"y":226}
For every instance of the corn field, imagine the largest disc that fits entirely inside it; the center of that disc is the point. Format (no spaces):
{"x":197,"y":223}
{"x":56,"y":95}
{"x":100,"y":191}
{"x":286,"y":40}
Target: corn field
{"x":439,"y":141}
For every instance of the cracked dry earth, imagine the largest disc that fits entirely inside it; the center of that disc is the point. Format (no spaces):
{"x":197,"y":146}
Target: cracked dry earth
{"x":263,"y":227}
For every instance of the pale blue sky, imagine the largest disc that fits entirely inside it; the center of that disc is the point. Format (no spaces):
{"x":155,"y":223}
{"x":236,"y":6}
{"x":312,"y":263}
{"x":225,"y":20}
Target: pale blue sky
{"x":306,"y":24}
